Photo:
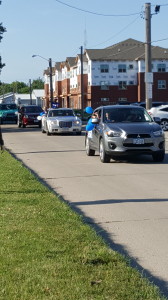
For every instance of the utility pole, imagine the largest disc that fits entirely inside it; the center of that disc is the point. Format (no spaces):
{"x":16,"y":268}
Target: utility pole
{"x":51,"y":83}
{"x":148,"y":73}
{"x":82,"y":98}
{"x":30,"y":92}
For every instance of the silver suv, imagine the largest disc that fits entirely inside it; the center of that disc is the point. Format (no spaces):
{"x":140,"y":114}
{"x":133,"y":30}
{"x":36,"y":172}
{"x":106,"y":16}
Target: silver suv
{"x":124,"y":130}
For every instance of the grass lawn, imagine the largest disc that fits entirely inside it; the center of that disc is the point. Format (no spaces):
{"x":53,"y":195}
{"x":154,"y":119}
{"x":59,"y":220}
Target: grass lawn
{"x":48,"y":252}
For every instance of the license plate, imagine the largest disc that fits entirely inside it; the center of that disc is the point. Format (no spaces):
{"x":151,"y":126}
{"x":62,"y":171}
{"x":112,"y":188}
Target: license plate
{"x":138,"y":141}
{"x":35,"y":121}
{"x":65,"y":128}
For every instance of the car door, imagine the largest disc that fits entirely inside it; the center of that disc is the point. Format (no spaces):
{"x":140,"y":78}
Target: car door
{"x":96,"y":132}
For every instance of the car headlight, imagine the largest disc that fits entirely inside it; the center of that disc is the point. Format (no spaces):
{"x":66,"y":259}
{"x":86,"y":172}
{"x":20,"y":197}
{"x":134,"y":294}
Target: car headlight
{"x":112,"y":133}
{"x":77,"y":122}
{"x":53,"y":122}
{"x":158,"y":133}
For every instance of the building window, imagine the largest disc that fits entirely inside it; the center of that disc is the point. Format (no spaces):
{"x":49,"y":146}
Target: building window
{"x":104,"y":99}
{"x":104,"y":68}
{"x":122,"y":85}
{"x":104,"y":85}
{"x":131,"y":82}
{"x":161,"y":84}
{"x":122,"y":68}
{"x":161,"y":67}
{"x":130,"y":67}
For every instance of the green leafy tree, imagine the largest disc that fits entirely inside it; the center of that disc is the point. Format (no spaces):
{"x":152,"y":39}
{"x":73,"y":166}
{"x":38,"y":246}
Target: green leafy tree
{"x":38,"y":84}
{"x":20,"y":87}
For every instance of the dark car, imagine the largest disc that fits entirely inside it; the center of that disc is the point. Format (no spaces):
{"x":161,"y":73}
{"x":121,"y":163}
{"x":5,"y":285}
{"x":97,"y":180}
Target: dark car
{"x":126,"y":130}
{"x":8,"y":112}
{"x":154,"y":103}
{"x":28,"y":114}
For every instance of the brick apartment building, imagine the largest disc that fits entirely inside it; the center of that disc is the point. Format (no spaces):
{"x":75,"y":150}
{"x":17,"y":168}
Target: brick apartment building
{"x":111,"y":75}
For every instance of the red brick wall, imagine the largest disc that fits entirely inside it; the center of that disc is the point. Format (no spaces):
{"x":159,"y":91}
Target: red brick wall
{"x":160,"y":94}
{"x":114,"y":93}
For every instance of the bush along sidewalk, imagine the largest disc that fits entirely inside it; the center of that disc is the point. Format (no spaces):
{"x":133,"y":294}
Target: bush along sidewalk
{"x":48,"y":252}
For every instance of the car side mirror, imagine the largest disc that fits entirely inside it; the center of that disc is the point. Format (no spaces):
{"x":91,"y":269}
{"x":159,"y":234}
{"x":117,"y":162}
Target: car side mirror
{"x":157,"y":120}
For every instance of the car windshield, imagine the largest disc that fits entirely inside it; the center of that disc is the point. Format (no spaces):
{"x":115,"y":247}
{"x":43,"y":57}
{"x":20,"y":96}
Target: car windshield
{"x":133,"y":114}
{"x":33,"y":109}
{"x":3,"y":107}
{"x":60,"y":113}
{"x":7,"y":106}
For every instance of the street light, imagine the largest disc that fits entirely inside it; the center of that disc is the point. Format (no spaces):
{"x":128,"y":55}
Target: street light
{"x":50,"y":73}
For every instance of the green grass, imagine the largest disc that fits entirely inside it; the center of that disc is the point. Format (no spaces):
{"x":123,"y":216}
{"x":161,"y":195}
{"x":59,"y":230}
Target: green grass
{"x":48,"y":252}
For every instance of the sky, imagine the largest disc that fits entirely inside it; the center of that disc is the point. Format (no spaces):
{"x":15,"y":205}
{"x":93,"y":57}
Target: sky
{"x":57,"y":30}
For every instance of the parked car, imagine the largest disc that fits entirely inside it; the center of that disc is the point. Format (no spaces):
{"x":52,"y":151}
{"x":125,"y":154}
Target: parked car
{"x":154,"y":103}
{"x":124,"y":131}
{"x":162,"y":113}
{"x":61,"y":120}
{"x":8,"y":112}
{"x":28,"y":114}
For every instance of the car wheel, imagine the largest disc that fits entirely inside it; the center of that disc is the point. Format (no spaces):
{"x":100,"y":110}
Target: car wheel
{"x":164,"y":124}
{"x":43,"y":131}
{"x":105,"y":158}
{"x":89,"y":152}
{"x":158,"y":156}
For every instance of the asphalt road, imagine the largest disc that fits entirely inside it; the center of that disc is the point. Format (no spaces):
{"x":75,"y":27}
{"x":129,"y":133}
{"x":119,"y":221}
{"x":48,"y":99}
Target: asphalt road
{"x":126,"y":201}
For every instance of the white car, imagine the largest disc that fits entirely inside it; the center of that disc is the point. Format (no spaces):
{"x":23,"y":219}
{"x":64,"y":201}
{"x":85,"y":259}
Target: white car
{"x":61,"y":120}
{"x":162,"y":113}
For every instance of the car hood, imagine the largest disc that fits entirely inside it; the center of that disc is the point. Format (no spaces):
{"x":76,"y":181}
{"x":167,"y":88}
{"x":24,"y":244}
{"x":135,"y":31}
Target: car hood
{"x":64,"y":119}
{"x":134,"y":127}
{"x":8,"y":111}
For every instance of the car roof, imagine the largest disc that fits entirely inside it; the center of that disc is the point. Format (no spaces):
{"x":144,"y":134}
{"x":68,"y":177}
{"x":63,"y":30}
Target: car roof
{"x":120,"y":106}
{"x":161,"y":106}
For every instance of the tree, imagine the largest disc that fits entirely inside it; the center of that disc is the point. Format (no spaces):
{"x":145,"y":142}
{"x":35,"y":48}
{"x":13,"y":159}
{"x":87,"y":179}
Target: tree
{"x":2,"y":30}
{"x":20,"y":87}
{"x":38,"y":84}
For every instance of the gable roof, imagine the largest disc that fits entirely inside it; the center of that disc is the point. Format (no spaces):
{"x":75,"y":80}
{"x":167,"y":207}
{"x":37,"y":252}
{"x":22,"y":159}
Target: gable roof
{"x":129,"y":49}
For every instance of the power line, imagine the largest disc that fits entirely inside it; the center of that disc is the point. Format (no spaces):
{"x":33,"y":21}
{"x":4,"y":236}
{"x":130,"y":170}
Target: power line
{"x":160,"y":40}
{"x":118,"y":32}
{"x":94,"y":13}
{"x":160,"y":4}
